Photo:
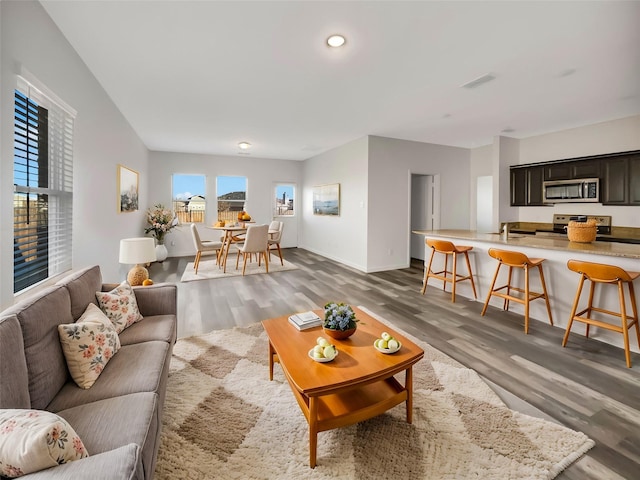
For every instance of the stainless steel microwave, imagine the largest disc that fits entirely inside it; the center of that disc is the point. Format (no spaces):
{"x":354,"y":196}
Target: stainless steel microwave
{"x":572,"y":191}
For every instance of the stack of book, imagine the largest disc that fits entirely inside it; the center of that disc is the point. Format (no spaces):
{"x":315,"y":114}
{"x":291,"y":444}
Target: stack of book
{"x":305,"y":320}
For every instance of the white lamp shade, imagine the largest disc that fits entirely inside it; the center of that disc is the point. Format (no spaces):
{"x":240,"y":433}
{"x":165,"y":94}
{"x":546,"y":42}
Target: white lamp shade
{"x":137,"y":250}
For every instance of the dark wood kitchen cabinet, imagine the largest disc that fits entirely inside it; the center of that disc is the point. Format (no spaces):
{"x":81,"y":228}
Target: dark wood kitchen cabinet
{"x":572,"y":169}
{"x":585,"y":169}
{"x":634,"y":180}
{"x":614,"y":189}
{"x":526,"y":186}
{"x":619,"y":175}
{"x":620,"y":181}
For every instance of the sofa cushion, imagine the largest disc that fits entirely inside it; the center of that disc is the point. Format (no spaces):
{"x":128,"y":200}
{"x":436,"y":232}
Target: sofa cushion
{"x":113,"y":422}
{"x":136,"y":368}
{"x":158,"y":327}
{"x":14,"y":380}
{"x":88,"y":345}
{"x":120,"y":306}
{"x":39,"y":317}
{"x":32,"y":440}
{"x":82,"y":287}
{"x":122,"y":463}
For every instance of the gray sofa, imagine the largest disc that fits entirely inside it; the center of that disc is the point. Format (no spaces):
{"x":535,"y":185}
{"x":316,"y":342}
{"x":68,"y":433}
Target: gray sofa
{"x":119,"y":418}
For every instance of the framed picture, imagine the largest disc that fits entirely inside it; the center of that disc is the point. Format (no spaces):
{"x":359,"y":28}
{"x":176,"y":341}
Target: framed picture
{"x":326,"y":199}
{"x":127,"y":189}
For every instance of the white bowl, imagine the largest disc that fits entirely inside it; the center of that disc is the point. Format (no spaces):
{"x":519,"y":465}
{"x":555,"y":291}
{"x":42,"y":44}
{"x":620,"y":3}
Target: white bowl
{"x":387,"y":350}
{"x":321,"y":360}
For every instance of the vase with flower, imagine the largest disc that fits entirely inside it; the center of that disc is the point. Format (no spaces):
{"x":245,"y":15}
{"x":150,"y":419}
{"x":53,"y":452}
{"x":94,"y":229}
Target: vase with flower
{"x":161,"y":221}
{"x":339,"y":320}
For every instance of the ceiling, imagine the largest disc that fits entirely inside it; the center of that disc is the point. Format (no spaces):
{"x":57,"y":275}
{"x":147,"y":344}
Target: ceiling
{"x":203,"y":76}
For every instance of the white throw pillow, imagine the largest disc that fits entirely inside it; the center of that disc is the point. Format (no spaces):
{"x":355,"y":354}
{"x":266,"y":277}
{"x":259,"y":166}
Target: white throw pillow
{"x":32,"y":440}
{"x":88,"y":345}
{"x":120,"y":306}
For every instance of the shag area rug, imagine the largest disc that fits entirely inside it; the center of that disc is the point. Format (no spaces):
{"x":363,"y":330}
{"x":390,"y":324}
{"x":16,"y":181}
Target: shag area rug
{"x":208,"y":269}
{"x":224,"y":419}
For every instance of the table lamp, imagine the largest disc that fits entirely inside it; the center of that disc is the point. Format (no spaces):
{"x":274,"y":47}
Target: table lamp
{"x":137,"y":251}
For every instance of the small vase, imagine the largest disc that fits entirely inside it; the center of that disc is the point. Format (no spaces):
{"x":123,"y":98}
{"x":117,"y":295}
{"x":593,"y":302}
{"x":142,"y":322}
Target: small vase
{"x":339,"y":334}
{"x":161,"y":253}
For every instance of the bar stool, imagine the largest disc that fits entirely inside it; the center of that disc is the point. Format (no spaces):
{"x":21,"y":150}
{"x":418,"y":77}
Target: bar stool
{"x":517,"y":260}
{"x":448,"y":248}
{"x":605,"y":274}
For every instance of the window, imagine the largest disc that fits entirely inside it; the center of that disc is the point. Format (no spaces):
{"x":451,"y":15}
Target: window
{"x":189,"y":201}
{"x":43,"y":186}
{"x":232,"y":195}
{"x":284,"y":200}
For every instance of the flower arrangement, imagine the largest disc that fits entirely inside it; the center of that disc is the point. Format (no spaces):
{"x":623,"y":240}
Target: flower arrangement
{"x":161,"y":221}
{"x":339,"y":316}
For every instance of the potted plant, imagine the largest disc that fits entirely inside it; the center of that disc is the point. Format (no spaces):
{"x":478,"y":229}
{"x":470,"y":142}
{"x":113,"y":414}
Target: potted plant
{"x":339,"y":320}
{"x":161,"y":221}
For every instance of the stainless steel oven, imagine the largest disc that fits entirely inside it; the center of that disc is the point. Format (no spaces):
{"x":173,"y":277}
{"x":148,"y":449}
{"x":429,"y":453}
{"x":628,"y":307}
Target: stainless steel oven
{"x":570,"y":191}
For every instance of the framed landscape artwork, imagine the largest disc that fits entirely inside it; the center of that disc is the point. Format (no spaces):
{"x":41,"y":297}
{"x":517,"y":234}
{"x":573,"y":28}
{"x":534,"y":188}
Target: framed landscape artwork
{"x":127,"y":189}
{"x":326,"y":199}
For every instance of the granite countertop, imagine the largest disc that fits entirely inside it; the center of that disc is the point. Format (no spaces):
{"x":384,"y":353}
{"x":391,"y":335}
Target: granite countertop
{"x":534,"y":241}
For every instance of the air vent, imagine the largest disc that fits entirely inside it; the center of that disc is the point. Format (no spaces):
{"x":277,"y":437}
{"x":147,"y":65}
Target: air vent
{"x":479,"y":81}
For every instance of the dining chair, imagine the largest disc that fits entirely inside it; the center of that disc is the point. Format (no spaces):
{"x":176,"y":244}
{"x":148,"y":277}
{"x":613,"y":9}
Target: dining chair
{"x":203,"y":247}
{"x":256,"y":241}
{"x":275,"y":235}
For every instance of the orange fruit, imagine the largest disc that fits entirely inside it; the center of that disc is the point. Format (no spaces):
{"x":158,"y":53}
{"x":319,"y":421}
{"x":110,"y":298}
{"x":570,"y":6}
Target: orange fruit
{"x":147,"y":282}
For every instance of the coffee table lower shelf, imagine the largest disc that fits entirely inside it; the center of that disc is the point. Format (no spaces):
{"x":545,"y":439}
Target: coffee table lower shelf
{"x":353,"y":405}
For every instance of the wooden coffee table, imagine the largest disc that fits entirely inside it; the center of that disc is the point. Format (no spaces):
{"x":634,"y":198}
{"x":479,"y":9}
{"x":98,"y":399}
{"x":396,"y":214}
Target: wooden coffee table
{"x":357,"y":385}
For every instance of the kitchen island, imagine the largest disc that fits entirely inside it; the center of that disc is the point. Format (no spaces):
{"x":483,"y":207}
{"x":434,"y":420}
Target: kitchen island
{"x":561,"y":282}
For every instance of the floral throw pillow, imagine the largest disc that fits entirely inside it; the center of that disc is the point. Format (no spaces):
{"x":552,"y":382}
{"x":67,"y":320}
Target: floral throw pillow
{"x":32,"y":440}
{"x":120,"y":306}
{"x":88,"y":345}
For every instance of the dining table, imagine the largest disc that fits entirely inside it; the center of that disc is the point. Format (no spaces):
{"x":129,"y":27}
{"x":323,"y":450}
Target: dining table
{"x":231,"y":232}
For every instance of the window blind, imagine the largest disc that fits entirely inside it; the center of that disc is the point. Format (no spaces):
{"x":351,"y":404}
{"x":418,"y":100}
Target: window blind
{"x":43,"y":186}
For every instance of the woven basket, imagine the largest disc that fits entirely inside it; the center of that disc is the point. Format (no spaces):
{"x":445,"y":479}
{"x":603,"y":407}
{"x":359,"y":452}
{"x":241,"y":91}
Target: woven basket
{"x":582,"y":232}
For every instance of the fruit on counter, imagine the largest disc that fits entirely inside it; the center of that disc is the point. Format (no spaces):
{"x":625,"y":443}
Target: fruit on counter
{"x":147,"y":282}
{"x":246,"y":217}
{"x":386,"y":342}
{"x":323,"y":342}
{"x":220,"y":223}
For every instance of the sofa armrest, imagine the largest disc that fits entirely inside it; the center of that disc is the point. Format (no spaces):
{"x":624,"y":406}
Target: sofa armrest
{"x":159,"y":299}
{"x":121,"y":463}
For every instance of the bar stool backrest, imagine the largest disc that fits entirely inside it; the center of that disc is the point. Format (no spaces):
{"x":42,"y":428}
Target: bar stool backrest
{"x":508,"y":257}
{"x":441,"y":246}
{"x":599,"y":272}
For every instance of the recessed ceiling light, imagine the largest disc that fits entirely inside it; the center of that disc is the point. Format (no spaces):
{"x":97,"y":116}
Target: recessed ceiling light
{"x":336,"y":41}
{"x":244,"y":145}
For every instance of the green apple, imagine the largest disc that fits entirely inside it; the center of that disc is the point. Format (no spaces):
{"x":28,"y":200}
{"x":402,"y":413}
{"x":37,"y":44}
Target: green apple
{"x":385,"y":336}
{"x":317,"y":354}
{"x":323,"y":342}
{"x":382,"y":343}
{"x":393,"y":344}
{"x":329,"y":352}
{"x":318,"y":349}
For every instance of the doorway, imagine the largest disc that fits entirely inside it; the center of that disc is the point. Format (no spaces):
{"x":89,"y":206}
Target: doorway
{"x":424,"y":208}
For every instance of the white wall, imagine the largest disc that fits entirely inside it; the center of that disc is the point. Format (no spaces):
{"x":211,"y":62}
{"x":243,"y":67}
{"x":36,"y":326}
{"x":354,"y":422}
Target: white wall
{"x":391,"y":163}
{"x":505,"y":154}
{"x":479,"y":166}
{"x":261,"y":175}
{"x":607,"y":137}
{"x":342,"y":238}
{"x":102,"y":139}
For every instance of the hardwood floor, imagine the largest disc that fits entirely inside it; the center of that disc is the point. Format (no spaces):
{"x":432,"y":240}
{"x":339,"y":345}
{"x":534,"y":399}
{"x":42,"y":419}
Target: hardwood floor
{"x":585,"y":386}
